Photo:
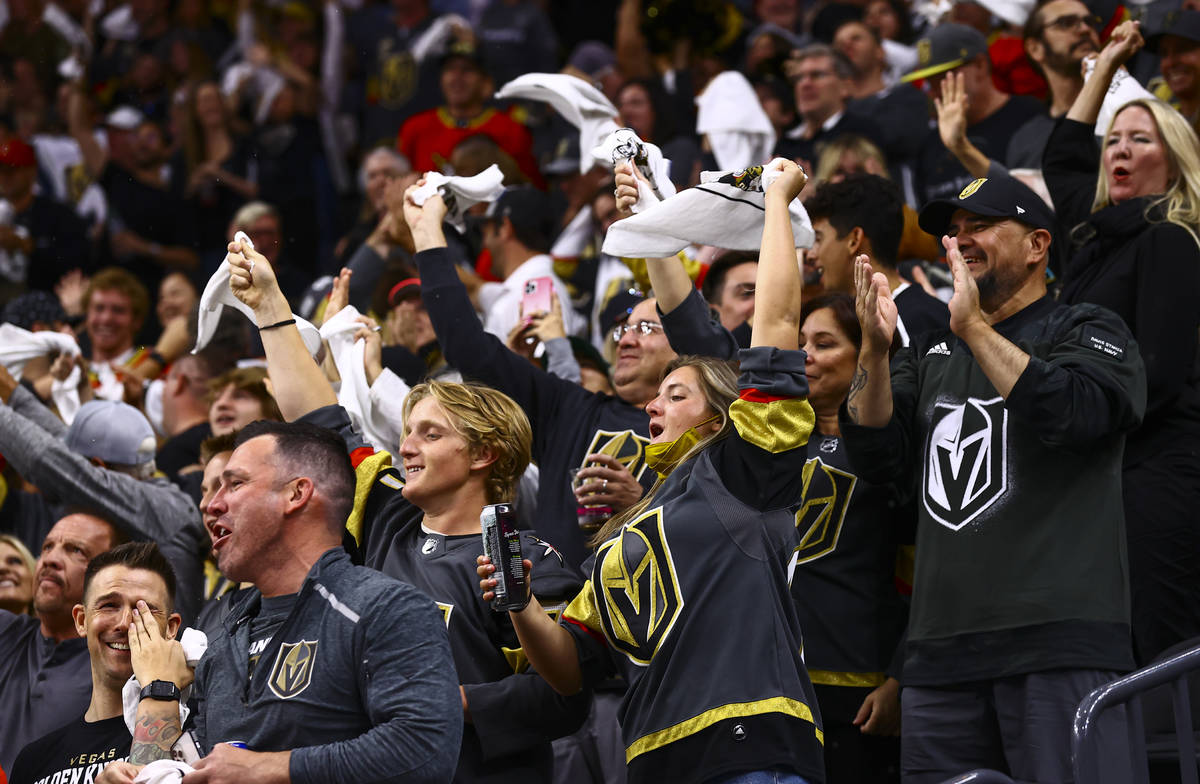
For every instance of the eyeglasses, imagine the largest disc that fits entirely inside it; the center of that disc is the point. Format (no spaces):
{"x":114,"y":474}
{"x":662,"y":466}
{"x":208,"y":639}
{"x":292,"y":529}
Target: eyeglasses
{"x":643,"y":328}
{"x":1068,"y":23}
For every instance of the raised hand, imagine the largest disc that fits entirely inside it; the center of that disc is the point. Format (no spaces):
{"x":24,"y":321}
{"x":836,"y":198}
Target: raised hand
{"x":875,"y":307}
{"x":339,"y":296}
{"x":425,"y":220}
{"x":369,"y":333}
{"x":964,"y":305}
{"x":251,"y":278}
{"x":952,"y":111}
{"x":790,"y":182}
{"x":626,"y":178}
{"x":1124,"y":43}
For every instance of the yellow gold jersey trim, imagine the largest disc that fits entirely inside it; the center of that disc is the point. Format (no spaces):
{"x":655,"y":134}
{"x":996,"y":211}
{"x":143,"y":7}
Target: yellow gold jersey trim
{"x":776,"y":426}
{"x":516,"y":658}
{"x":861,"y":679}
{"x":734,"y":710}
{"x":364,"y":480}
{"x":583,"y":609}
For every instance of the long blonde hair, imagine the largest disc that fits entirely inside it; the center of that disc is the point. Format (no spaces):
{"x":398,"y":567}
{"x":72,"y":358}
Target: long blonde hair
{"x":1181,"y":202}
{"x":718,"y":384}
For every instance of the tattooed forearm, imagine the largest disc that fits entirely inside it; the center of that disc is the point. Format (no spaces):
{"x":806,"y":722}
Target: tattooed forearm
{"x":155,"y":732}
{"x":856,"y":385}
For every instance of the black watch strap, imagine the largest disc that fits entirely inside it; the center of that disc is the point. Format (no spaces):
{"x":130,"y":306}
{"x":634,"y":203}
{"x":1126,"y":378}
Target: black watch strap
{"x":160,"y":690}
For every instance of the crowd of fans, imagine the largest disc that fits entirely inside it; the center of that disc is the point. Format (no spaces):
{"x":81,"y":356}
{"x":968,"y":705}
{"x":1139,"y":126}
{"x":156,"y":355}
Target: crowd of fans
{"x":874,"y":485}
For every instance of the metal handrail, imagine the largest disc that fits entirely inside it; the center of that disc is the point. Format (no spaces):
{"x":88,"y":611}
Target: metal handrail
{"x":1174,"y":671}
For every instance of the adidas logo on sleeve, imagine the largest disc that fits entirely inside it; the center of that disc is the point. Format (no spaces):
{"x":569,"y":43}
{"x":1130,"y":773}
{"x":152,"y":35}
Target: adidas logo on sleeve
{"x":940,"y":348}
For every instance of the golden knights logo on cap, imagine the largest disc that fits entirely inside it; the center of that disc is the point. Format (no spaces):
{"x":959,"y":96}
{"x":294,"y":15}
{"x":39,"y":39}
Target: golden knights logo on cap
{"x":293,"y":668}
{"x":974,"y":186}
{"x":924,"y":52}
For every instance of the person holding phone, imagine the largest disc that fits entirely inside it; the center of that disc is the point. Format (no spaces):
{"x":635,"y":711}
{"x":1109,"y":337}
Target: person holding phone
{"x":518,"y":230}
{"x":690,"y":585}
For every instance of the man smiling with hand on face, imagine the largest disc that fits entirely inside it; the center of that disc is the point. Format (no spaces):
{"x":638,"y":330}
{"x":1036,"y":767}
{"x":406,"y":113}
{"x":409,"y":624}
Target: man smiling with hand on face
{"x":132,"y":584}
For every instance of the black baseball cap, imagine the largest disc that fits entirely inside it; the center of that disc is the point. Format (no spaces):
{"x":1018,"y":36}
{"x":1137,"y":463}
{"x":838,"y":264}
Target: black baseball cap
{"x":996,"y":197}
{"x":534,"y":217}
{"x":1184,"y":23}
{"x":463,"y":50}
{"x":947,"y":46}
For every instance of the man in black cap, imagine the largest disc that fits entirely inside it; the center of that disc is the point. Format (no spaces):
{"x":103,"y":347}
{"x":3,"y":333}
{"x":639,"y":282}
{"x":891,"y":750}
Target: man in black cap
{"x":1178,"y":44}
{"x":518,"y":230}
{"x":1016,"y":417}
{"x":992,"y":117}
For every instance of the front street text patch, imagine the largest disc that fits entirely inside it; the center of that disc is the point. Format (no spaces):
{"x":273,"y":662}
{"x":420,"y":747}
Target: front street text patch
{"x":1105,"y":342}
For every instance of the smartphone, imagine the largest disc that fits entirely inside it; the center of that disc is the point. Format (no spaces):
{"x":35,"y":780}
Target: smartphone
{"x":502,"y":544}
{"x":536,"y":298}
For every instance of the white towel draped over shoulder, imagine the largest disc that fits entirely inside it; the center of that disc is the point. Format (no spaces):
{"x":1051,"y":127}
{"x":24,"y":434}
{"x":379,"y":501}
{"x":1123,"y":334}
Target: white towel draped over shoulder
{"x":461,"y":193}
{"x":217,"y":295}
{"x":369,"y":418}
{"x":577,"y":101}
{"x":620,"y":145}
{"x":725,"y":210}
{"x":738,"y":129}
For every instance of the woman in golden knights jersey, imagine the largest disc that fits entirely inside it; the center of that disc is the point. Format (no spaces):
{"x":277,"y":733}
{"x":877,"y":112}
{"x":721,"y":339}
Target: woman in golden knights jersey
{"x":688,"y":595}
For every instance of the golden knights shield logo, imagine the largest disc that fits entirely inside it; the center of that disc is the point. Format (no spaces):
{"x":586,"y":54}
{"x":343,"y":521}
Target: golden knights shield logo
{"x":973,"y":186}
{"x":293,"y":668}
{"x":626,"y":446}
{"x":638,"y":588}
{"x":819,"y":519}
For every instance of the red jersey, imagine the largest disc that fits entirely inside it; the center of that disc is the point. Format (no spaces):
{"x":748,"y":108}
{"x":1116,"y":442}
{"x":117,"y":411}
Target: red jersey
{"x":428,"y":138}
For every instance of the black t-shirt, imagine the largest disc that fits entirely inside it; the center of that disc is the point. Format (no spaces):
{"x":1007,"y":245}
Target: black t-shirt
{"x":76,"y":752}
{"x":182,"y":450}
{"x":271,"y":615}
{"x":153,"y":213}
{"x":941,"y":176}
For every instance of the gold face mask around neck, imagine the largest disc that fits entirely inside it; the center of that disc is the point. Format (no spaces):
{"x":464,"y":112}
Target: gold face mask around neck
{"x":664,"y":456}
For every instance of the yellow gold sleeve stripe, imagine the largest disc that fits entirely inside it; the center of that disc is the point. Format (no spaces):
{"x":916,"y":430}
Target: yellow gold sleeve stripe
{"x":583,"y":611}
{"x":364,"y":479}
{"x":516,"y":658}
{"x":860,"y":679}
{"x":734,"y":710}
{"x":776,"y":426}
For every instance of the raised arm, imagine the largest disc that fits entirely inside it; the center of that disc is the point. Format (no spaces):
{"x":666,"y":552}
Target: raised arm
{"x":1126,"y":40}
{"x":668,"y":278}
{"x":296,"y":380}
{"x":80,"y":126}
{"x":952,"y":126}
{"x":777,"y":285}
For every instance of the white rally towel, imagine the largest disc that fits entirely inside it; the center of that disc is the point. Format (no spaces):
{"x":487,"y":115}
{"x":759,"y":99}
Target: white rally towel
{"x":739,"y":131}
{"x":18,"y":346}
{"x":623,"y":144}
{"x":354,"y":394}
{"x":163,"y":771}
{"x":65,"y":395}
{"x":194,"y":643}
{"x":577,"y":101}
{"x":217,"y":295}
{"x":725,"y":210}
{"x":461,"y":193}
{"x":1121,"y":90}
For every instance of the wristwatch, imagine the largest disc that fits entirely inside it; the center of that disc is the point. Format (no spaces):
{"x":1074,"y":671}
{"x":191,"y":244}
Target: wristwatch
{"x":160,"y":690}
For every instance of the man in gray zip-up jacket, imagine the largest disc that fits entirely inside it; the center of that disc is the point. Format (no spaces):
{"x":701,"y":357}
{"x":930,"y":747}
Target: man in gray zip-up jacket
{"x":328,"y":672}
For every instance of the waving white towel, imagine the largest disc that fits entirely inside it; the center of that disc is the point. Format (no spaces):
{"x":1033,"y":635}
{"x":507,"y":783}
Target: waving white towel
{"x":65,"y":395}
{"x":461,"y":193}
{"x":623,"y":144}
{"x":738,"y":130}
{"x":194,"y":643}
{"x":18,"y":346}
{"x":354,"y":395}
{"x":1121,"y":90}
{"x":217,"y":295}
{"x":726,"y":210}
{"x":577,"y":101}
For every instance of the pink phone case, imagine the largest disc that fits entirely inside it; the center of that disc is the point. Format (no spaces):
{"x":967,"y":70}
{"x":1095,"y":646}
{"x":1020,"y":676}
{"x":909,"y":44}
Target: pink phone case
{"x":538,"y":292}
